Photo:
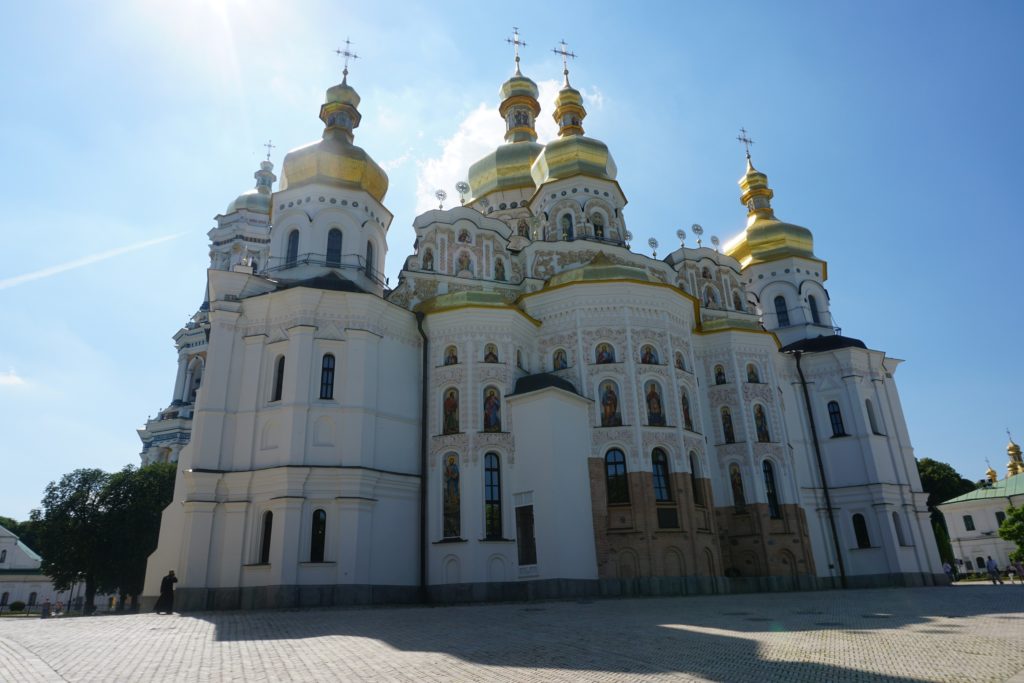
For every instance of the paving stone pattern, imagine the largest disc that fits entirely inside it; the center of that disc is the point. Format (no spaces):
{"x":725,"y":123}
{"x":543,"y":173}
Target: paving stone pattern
{"x":961,"y":633}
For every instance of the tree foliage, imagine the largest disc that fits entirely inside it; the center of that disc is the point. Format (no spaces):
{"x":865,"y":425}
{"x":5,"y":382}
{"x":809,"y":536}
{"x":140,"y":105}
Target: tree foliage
{"x":1012,"y":529}
{"x":100,"y":528}
{"x":941,"y":482}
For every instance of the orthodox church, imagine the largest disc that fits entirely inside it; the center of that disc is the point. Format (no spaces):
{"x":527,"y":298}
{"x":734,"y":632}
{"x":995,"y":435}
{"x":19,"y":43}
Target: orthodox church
{"x":534,"y":409}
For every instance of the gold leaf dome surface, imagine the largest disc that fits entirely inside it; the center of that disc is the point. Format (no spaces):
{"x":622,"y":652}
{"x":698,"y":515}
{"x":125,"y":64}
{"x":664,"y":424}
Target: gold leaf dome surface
{"x":505,"y":168}
{"x":571,"y":156}
{"x":334,"y":161}
{"x":253,"y":200}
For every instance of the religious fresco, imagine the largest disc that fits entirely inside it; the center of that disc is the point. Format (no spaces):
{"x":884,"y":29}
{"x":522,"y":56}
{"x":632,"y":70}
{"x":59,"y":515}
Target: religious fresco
{"x":451,"y":503}
{"x":679,"y":361}
{"x":648,"y":355}
{"x":727,"y":431}
{"x":752,"y":375}
{"x":491,"y":354}
{"x":761,"y":424}
{"x":428,"y":260}
{"x":559,"y":361}
{"x":499,"y":270}
{"x":610,"y":415}
{"x":719,"y":374}
{"x":492,"y":410}
{"x":451,"y":356}
{"x":465,"y":263}
{"x":605,"y":353}
{"x":655,"y":407}
{"x":451,"y":411}
{"x":687,"y":420}
{"x":464,"y":237}
{"x":736,"y":479}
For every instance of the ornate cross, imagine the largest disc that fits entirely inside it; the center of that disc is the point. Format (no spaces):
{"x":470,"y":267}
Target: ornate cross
{"x":347,"y":54}
{"x":516,"y":44}
{"x":561,"y":50}
{"x":747,"y":142}
{"x":269,"y":145}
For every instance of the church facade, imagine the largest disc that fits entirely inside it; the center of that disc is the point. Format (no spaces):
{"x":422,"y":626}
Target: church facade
{"x":534,"y":410}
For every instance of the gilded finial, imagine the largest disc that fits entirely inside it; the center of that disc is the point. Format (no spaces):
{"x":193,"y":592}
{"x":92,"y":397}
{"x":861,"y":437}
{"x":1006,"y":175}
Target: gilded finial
{"x":347,"y":54}
{"x":747,"y":142}
{"x":269,"y":144}
{"x":516,"y":44}
{"x":561,"y":50}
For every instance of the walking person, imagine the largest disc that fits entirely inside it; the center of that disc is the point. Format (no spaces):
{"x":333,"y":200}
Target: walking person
{"x":993,"y":571}
{"x":166,"y":602}
{"x":948,"y":568}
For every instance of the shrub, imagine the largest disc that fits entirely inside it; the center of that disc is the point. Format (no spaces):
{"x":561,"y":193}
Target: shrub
{"x":17,"y":606}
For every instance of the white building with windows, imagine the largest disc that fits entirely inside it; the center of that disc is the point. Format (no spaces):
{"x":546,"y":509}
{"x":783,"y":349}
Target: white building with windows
{"x":973,"y":518}
{"x":534,"y":409}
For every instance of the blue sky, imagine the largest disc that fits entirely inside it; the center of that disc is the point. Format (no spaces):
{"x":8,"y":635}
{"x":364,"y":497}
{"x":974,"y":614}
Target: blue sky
{"x":892,"y":130}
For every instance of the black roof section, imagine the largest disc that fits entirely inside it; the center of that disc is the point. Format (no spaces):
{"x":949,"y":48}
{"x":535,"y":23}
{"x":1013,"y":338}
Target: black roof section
{"x":331,"y":281}
{"x":542,"y":380}
{"x":823,"y":343}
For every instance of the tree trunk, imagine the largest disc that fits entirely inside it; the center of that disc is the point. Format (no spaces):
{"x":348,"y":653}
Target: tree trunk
{"x":90,"y":595}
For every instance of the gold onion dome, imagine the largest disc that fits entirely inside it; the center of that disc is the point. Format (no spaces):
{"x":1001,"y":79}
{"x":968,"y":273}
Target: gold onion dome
{"x":258,"y":198}
{"x":765,"y":238}
{"x":508,"y":166}
{"x":991,"y":474}
{"x":334,"y":160}
{"x":1016,"y":464}
{"x":573,"y":153}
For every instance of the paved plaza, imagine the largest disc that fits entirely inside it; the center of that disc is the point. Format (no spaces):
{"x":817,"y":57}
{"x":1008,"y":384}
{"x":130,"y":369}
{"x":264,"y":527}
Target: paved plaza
{"x":962,"y":633}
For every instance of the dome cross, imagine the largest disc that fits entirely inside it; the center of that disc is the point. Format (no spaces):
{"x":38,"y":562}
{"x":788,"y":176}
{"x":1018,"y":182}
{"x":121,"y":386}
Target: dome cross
{"x":269,"y":144}
{"x":516,"y":44}
{"x":347,"y":53}
{"x":745,"y":139}
{"x":566,"y":54}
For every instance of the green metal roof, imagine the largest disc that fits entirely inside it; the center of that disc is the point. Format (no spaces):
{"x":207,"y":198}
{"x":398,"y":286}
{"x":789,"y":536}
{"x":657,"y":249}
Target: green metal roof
{"x":1004,"y":488}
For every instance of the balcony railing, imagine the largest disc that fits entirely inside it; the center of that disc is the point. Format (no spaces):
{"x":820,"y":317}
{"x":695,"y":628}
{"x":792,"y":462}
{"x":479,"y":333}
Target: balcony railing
{"x":343,"y":262}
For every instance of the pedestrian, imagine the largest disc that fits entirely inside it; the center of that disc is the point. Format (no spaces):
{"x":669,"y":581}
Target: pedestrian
{"x":1020,"y":570}
{"x":993,"y":571}
{"x":948,"y":568}
{"x":166,"y":602}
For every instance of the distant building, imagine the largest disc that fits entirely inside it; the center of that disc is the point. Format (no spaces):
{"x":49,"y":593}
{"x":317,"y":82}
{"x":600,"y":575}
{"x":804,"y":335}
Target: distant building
{"x":973,"y":518}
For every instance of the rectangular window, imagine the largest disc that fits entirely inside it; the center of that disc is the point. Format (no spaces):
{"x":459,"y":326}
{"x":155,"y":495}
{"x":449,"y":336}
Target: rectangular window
{"x":969,"y":522}
{"x":492,"y":496}
{"x":525,"y":541}
{"x":668,"y":517}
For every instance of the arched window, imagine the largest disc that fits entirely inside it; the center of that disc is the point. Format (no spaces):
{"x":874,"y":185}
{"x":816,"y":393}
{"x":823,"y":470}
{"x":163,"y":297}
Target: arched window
{"x":781,"y":311}
{"x":648,"y":355}
{"x":519,"y":359}
{"x":32,"y":599}
{"x":597,"y":220}
{"x":3,"y":555}
{"x":371,"y":266}
{"x":604,"y":353}
{"x":687,"y":417}
{"x":195,"y":378}
{"x":615,"y":477}
{"x":719,"y":374}
{"x":327,"y":376}
{"x":292,"y":254}
{"x":268,"y":529}
{"x":334,"y":247}
{"x":835,"y":416}
{"x":659,"y":468}
{"x":896,"y":522}
{"x":567,"y":231}
{"x":761,"y":424}
{"x":492,"y":496}
{"x":695,"y":480}
{"x":871,"y":417}
{"x":428,"y":260}
{"x":450,"y":411}
{"x":451,"y":356}
{"x":492,"y":410}
{"x":774,"y":511}
{"x":559,"y":360}
{"x":491,"y":354}
{"x":317,"y":536}
{"x":860,"y":530}
{"x":278,"y":379}
{"x":727,"y":431}
{"x":680,"y":363}
{"x":813,"y":304}
{"x":981,"y":562}
{"x":753,"y":376}
{"x":739,"y":500}
{"x":705,"y":273}
{"x":451,"y":500}
{"x":737,"y":302}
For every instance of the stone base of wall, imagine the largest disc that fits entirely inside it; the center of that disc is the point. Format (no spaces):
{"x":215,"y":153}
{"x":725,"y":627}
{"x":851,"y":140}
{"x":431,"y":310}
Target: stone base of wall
{"x":271,"y":597}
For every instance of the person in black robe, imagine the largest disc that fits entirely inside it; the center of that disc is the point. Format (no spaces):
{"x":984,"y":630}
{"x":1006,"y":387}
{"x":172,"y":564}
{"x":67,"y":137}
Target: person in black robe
{"x":166,"y":602}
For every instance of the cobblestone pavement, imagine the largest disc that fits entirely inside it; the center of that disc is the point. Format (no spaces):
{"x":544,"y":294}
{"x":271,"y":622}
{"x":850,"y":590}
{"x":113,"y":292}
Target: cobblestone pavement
{"x":963,"y":633}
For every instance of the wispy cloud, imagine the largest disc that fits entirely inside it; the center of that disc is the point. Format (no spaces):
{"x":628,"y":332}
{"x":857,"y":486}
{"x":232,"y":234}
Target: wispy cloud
{"x":11,"y":379}
{"x":84,"y":261}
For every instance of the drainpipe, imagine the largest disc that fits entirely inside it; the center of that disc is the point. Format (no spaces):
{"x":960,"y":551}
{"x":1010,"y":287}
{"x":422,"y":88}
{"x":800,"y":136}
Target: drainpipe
{"x":423,"y":459}
{"x":821,"y":471}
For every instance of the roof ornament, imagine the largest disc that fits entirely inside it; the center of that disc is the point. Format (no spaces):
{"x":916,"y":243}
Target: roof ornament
{"x":653,"y":244}
{"x":516,"y":43}
{"x":698,"y":231}
{"x":441,"y":196}
{"x":347,"y":54}
{"x":269,"y":144}
{"x":745,"y":139}
{"x":681,"y":236}
{"x":561,"y":50}
{"x":462,"y":187}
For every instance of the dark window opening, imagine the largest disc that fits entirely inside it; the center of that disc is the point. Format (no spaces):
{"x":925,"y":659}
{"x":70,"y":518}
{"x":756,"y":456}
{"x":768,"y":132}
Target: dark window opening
{"x":526,"y":544}
{"x":318,"y":536}
{"x":327,"y":377}
{"x":615,"y":477}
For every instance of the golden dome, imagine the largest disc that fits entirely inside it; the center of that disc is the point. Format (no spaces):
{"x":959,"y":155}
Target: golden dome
{"x":1012,"y":449}
{"x":572,"y":153}
{"x":766,"y":238}
{"x":992,"y":474}
{"x":509,"y":165}
{"x":334,"y":160}
{"x":258,"y":198}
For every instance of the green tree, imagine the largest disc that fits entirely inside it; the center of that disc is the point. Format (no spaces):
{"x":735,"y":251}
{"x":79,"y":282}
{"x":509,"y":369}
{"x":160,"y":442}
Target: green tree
{"x":70,"y":525}
{"x":941,"y":482}
{"x":1012,"y":529}
{"x":944,"y":544}
{"x":132,"y":502}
